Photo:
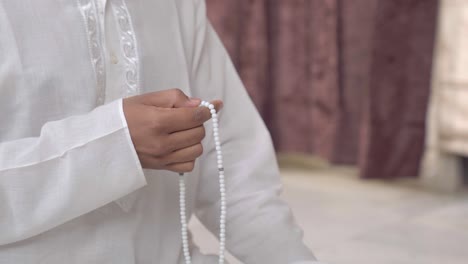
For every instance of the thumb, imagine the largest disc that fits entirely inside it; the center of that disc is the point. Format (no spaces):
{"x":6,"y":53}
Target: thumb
{"x":218,"y":104}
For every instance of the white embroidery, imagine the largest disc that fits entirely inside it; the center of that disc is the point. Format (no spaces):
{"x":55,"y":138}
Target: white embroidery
{"x":89,"y":13}
{"x":128,"y":45}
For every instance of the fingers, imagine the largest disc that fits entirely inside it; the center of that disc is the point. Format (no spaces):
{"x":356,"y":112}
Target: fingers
{"x":150,"y":162}
{"x":181,"y":167}
{"x":186,"y":138}
{"x":179,"y":119}
{"x":218,"y":104}
{"x":174,"y":161}
{"x":153,"y":163}
{"x":173,"y":98}
{"x":183,"y":155}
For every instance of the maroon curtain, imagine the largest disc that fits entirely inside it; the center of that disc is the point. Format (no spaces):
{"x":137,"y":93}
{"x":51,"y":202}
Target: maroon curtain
{"x":345,"y":80}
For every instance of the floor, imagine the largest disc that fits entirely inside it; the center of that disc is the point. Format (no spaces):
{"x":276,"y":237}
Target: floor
{"x":349,"y":221}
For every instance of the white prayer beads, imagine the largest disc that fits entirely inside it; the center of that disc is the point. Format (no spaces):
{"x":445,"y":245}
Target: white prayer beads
{"x":222,"y":191}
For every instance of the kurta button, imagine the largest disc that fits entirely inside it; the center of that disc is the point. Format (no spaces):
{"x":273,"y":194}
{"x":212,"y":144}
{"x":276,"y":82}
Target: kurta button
{"x":114,"y":59}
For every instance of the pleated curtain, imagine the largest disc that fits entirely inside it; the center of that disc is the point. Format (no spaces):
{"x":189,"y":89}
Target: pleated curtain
{"x":347,"y":81}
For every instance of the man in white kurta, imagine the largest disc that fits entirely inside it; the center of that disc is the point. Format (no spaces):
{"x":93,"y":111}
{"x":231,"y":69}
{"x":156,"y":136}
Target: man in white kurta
{"x":72,"y":185}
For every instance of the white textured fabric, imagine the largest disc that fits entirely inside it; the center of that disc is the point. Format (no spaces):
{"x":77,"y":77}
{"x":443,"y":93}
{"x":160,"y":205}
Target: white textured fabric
{"x":71,"y":186}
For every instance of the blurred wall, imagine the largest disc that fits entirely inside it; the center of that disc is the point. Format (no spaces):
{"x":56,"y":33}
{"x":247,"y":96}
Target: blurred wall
{"x":345,"y":80}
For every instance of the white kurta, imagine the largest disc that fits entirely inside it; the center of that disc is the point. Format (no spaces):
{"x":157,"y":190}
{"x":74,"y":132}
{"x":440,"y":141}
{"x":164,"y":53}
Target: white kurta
{"x":71,"y":187}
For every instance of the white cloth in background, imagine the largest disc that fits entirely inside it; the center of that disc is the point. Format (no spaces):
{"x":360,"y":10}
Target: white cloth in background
{"x":71,"y":187}
{"x":450,"y":83}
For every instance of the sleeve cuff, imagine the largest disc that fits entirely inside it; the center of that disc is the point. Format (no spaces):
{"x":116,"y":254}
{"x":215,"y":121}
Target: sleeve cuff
{"x":126,"y":203}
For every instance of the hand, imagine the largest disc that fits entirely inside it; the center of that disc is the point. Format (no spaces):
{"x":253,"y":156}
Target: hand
{"x":167,"y":129}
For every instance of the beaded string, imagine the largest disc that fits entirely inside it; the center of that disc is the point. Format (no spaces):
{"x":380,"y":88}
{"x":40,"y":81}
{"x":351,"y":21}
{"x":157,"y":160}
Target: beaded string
{"x":222,"y":191}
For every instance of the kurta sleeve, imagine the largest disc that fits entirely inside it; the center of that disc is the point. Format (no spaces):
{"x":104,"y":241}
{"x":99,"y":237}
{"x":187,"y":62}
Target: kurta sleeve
{"x":74,"y":166}
{"x":260,"y":226}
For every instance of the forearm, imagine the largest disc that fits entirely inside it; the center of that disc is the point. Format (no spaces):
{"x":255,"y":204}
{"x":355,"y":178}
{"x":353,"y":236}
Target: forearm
{"x":76,"y":165}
